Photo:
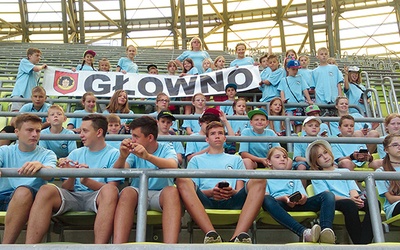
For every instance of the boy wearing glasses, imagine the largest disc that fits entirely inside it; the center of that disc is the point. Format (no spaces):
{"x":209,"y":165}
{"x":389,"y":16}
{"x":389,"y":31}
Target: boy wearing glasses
{"x":162,"y":103}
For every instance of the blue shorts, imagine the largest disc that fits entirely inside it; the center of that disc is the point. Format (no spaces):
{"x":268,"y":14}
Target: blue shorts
{"x":235,"y":202}
{"x":6,"y":197}
{"x":297,"y":163}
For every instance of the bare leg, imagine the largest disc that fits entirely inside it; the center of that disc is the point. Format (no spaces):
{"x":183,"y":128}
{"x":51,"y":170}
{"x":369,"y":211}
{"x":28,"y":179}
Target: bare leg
{"x":193,"y":205}
{"x":172,"y":214}
{"x":17,"y":214}
{"x":47,"y":201}
{"x":124,"y":215}
{"x":346,"y":163}
{"x":106,"y":204}
{"x":252,"y":205}
{"x":249,"y":164}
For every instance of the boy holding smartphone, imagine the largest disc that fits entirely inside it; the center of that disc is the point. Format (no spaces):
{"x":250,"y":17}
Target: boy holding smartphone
{"x":198,"y":194}
{"x":346,"y":155}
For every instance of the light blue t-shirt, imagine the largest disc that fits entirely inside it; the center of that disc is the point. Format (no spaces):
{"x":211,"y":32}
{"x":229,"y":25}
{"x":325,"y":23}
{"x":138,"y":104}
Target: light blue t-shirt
{"x":60,"y":147}
{"x":102,"y":159}
{"x":228,"y":110}
{"x":128,"y":65}
{"x":29,"y":108}
{"x":271,"y":91}
{"x":193,"y":124}
{"x":383,"y":187}
{"x":12,"y":157}
{"x":242,"y":62}
{"x":259,"y":149}
{"x":307,"y":75}
{"x":337,"y":187}
{"x":123,"y":120}
{"x":174,"y":125}
{"x":293,"y":87}
{"x":265,"y":73}
{"x":114,"y":144}
{"x":163,"y":151}
{"x":354,"y":95}
{"x":221,"y":161}
{"x":85,"y":67}
{"x":193,"y":71}
{"x":381,"y":149}
{"x":195,"y":146}
{"x":239,"y":125}
{"x":197,"y":57}
{"x":282,"y":187}
{"x":343,"y":150}
{"x":176,"y":145}
{"x":77,"y":122}
{"x":26,"y":79}
{"x":325,"y":80}
{"x":334,"y":126}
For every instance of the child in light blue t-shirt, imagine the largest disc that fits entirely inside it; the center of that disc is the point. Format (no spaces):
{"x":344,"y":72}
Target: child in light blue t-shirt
{"x":89,"y":105}
{"x":254,"y":153}
{"x":87,"y":62}
{"x":230,"y":91}
{"x":269,"y":84}
{"x":56,"y":118}
{"x":354,"y":90}
{"x":277,"y":202}
{"x":127,"y":64}
{"x":326,"y":79}
{"x":347,"y":194}
{"x":38,"y":104}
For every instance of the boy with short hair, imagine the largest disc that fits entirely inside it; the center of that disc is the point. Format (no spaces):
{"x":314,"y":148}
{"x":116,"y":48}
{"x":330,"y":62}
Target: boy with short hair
{"x":152,"y":69}
{"x":200,"y":147}
{"x":200,"y":193}
{"x":162,"y":103}
{"x":38,"y":104}
{"x":27,"y":77}
{"x":254,"y":155}
{"x":143,"y":151}
{"x":99,"y":195}
{"x":295,"y":90}
{"x":313,"y":110}
{"x":326,"y":79}
{"x":269,"y":83}
{"x":311,"y":128}
{"x":18,"y":194}
{"x":165,"y":120}
{"x":56,"y":117}
{"x":199,"y":103}
{"x":230,"y":91}
{"x":114,"y":127}
{"x":346,"y":155}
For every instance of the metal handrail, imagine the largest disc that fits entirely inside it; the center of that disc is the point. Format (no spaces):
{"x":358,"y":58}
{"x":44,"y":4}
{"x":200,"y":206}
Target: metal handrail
{"x":145,"y":174}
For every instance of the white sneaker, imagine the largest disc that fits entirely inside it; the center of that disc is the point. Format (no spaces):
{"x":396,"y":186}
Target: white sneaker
{"x":312,"y":235}
{"x":212,"y":237}
{"x":327,"y":236}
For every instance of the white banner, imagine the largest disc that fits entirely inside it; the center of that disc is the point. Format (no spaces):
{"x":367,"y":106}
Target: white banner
{"x":64,"y":82}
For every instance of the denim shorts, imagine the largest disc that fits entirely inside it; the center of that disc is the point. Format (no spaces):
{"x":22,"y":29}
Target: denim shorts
{"x":235,"y":202}
{"x":6,"y":197}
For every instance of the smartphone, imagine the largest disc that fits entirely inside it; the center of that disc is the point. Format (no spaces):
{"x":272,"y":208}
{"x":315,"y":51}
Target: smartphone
{"x":223,"y":184}
{"x":295,"y":197}
{"x":363,"y":150}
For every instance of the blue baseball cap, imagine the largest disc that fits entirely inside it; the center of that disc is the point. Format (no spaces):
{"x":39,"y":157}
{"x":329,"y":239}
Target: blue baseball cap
{"x":231,"y":85}
{"x":293,"y":64}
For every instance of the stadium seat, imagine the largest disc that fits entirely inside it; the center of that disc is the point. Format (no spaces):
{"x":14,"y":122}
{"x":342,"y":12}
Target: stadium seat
{"x":83,"y":220}
{"x":339,"y":217}
{"x":220,"y":218}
